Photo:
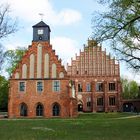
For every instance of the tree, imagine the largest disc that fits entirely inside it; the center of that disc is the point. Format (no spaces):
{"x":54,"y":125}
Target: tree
{"x":7,"y":27}
{"x":119,"y":26}
{"x":12,"y":58}
{"x":130,"y":89}
{"x":1,"y":56}
{"x":7,"y":24}
{"x":3,"y":93}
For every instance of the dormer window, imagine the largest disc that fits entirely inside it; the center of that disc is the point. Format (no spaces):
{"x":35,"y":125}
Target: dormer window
{"x":40,"y":31}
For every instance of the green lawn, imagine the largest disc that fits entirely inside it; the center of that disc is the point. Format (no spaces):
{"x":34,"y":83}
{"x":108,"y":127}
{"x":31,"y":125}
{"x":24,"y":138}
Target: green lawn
{"x":101,"y":126}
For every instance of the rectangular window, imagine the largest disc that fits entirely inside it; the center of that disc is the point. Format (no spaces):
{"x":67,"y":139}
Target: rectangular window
{"x":89,"y":102}
{"x":100,"y":101}
{"x":21,"y":86}
{"x":80,"y":88}
{"x":99,"y":87}
{"x":56,"y":86}
{"x":112,"y":101}
{"x":39,"y":86}
{"x":88,"y":87}
{"x":77,"y":72}
{"x":111,"y":86}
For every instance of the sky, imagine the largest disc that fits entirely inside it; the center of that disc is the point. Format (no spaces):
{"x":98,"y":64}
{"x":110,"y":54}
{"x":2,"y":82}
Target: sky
{"x":69,"y":21}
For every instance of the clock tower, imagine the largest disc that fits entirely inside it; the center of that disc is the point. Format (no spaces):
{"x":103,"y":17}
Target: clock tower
{"x":41,"y":32}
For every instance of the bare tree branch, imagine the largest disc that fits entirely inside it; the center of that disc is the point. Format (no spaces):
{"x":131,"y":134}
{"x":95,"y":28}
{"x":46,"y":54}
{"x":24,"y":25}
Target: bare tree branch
{"x":120,"y":26}
{"x":7,"y":27}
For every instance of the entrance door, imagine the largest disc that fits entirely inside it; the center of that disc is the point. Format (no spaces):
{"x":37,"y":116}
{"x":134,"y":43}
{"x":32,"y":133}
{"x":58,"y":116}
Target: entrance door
{"x":80,"y":106}
{"x":127,"y":107}
{"x":23,"y":110}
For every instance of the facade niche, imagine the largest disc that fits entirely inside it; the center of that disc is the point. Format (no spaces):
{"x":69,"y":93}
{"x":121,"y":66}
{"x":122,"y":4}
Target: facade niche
{"x":23,"y":110}
{"x":39,"y":110}
{"x":56,"y":109}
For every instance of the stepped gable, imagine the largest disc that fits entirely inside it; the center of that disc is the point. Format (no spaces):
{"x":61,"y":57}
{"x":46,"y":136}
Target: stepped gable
{"x":93,"y":61}
{"x":32,"y":50}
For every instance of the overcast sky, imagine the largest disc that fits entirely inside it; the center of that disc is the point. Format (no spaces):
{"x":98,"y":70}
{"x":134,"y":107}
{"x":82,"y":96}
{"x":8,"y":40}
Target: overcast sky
{"x":69,"y":20}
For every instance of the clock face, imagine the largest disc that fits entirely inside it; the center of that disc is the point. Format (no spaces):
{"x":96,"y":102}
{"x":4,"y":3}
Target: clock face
{"x":40,"y":37}
{"x":40,"y":31}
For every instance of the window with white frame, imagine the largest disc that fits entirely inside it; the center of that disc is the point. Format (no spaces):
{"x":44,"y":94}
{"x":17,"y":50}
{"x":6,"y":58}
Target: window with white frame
{"x":80,"y":87}
{"x":56,"y":86}
{"x":88,"y":87}
{"x":22,"y":86}
{"x":100,"y":101}
{"x":111,"y":86}
{"x":99,"y":87}
{"x":39,"y":86}
{"x":112,"y":101}
{"x":88,"y":101}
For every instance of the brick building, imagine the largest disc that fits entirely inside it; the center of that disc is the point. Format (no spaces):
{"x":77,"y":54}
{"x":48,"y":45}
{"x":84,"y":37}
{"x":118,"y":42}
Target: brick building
{"x":97,"y":79}
{"x":40,"y":85}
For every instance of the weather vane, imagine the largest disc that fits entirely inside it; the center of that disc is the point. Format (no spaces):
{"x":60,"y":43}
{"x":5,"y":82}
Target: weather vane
{"x":41,"y":15}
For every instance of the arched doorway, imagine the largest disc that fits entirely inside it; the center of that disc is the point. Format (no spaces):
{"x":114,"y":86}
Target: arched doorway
{"x":128,"y":107}
{"x":56,"y":109}
{"x":80,"y":106}
{"x":39,"y":110}
{"x":23,"y":109}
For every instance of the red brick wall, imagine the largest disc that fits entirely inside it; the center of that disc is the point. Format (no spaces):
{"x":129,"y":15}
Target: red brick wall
{"x":47,"y":97}
{"x":68,"y":105}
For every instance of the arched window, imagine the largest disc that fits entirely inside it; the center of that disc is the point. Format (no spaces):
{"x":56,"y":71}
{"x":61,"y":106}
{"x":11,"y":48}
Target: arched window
{"x":39,"y":110}
{"x":56,"y":109}
{"x":23,"y":109}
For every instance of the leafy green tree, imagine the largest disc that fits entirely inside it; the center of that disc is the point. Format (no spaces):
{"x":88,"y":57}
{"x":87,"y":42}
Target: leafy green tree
{"x":119,"y":26}
{"x":12,"y":58}
{"x":3,"y":93}
{"x":130,"y":89}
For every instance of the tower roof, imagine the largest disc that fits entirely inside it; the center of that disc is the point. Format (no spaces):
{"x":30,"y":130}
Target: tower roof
{"x":41,"y":24}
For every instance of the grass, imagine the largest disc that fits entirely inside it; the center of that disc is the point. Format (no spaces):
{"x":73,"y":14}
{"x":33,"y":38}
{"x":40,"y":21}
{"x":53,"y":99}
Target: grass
{"x":98,"y":126}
